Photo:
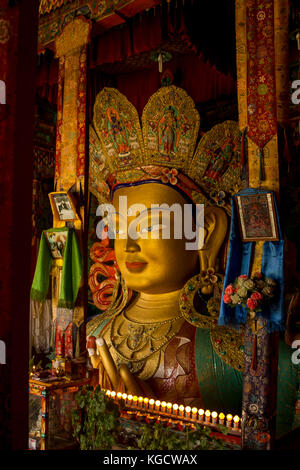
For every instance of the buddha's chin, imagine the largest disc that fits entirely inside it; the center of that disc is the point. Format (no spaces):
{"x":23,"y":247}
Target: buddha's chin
{"x":152,"y":290}
{"x":139,"y":283}
{"x":142,"y":285}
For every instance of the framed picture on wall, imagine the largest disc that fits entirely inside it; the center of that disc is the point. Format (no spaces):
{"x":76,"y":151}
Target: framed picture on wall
{"x":56,"y":242}
{"x":257,"y":217}
{"x":63,"y":207}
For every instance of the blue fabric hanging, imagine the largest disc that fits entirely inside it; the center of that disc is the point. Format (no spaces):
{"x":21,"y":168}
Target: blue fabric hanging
{"x":239,"y":262}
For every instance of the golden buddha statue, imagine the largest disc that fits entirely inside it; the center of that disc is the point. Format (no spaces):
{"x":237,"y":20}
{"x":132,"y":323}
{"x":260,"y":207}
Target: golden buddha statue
{"x":149,"y":328}
{"x":164,"y":341}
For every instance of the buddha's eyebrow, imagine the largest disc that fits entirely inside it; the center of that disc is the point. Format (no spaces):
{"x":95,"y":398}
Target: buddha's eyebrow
{"x":116,"y":213}
{"x":155,"y":209}
{"x":148,"y":210}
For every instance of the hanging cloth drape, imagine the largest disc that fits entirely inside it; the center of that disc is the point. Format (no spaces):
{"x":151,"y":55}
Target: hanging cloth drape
{"x":239,"y":262}
{"x":71,"y":271}
{"x":261,"y":87}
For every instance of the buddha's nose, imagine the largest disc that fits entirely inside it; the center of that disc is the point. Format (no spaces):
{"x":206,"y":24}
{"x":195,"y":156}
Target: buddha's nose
{"x":132,"y":246}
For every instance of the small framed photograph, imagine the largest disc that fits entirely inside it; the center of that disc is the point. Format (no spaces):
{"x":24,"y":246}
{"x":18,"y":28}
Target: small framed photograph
{"x":257,"y":217}
{"x":63,"y":207}
{"x":32,"y":444}
{"x":57,"y":242}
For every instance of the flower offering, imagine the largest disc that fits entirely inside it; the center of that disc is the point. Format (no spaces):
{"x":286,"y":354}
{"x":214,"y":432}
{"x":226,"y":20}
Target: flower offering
{"x":250,"y":292}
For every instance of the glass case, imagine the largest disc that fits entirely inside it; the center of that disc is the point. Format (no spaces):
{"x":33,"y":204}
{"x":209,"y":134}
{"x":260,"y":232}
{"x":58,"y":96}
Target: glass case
{"x":50,"y":413}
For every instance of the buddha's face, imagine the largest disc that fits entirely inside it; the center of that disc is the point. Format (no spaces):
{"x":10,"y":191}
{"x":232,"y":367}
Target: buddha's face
{"x":153,"y":265}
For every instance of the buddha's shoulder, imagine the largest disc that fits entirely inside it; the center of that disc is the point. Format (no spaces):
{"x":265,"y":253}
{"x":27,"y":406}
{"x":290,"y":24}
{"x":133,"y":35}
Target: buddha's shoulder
{"x":97,"y":326}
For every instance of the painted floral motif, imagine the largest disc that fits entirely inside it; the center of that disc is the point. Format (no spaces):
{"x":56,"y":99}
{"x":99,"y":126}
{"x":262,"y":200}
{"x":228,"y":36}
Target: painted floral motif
{"x":209,"y":276}
{"x":258,"y":401}
{"x":81,"y":103}
{"x":251,"y":108}
{"x":169,"y":176}
{"x":218,"y":197}
{"x":260,"y":63}
{"x":261,"y":15}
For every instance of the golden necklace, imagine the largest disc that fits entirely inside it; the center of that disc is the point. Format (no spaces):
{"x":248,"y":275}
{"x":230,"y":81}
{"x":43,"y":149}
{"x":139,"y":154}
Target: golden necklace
{"x":135,"y":342}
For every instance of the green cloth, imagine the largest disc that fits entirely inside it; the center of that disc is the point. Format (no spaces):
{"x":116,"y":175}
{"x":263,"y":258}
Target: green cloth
{"x":71,"y":271}
{"x":287,"y":386}
{"x":40,"y":284}
{"x":221,"y":386}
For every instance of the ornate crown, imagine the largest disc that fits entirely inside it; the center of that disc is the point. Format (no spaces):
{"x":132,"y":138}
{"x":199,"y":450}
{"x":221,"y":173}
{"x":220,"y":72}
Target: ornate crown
{"x":123,"y":152}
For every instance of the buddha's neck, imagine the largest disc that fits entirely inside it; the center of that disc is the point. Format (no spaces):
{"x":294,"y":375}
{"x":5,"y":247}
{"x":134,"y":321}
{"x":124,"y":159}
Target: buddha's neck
{"x":155,"y":307}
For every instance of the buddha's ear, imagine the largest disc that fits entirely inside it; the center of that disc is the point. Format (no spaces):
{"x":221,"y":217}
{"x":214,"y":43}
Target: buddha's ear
{"x":215,"y":229}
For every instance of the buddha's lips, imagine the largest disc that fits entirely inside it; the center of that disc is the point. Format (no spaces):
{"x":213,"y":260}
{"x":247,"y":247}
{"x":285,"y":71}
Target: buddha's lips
{"x":135,"y":265}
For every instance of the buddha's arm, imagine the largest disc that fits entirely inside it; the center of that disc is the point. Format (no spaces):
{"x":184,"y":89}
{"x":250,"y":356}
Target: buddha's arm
{"x":133,"y":384}
{"x":95,"y":359}
{"x":99,"y":355}
{"x":104,"y":379}
{"x":91,"y":348}
{"x":120,"y":379}
{"x":108,"y":363}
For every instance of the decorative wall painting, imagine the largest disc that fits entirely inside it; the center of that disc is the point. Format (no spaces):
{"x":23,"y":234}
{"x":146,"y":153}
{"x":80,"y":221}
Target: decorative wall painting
{"x":257,"y":217}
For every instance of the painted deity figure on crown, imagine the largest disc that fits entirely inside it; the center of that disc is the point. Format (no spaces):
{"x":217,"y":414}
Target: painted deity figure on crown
{"x":159,"y":337}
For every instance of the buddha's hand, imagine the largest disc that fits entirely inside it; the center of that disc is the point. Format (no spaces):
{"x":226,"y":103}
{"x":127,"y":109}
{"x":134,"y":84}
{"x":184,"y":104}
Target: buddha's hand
{"x":92,"y":351}
{"x":91,"y":345}
{"x":134,"y":385}
{"x":120,"y":378}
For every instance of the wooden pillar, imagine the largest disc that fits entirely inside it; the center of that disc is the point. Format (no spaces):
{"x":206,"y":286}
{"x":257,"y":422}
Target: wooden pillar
{"x":18,"y":45}
{"x":255,"y":35}
{"x":71,"y":49}
{"x":70,"y":164}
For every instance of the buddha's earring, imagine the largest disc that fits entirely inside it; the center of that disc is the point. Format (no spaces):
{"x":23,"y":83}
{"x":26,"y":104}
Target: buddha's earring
{"x":209,"y":279}
{"x":206,"y":283}
{"x":227,"y":343}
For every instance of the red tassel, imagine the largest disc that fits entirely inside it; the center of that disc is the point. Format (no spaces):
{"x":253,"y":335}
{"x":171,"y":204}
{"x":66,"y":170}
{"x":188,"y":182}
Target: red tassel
{"x":254,"y":354}
{"x":59,"y":341}
{"x":69,"y":341}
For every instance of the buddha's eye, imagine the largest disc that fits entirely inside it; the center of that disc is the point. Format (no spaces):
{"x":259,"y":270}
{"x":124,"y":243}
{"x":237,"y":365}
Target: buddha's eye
{"x":153,"y":228}
{"x":117,"y":231}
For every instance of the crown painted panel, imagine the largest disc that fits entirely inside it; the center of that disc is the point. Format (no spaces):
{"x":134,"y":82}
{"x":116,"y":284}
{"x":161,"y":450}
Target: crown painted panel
{"x":170,"y":128}
{"x":116,"y":122}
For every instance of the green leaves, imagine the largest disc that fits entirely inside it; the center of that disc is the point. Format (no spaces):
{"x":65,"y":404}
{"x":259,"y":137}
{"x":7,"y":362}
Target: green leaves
{"x":159,"y":437}
{"x":96,"y":425}
{"x":95,"y":421}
